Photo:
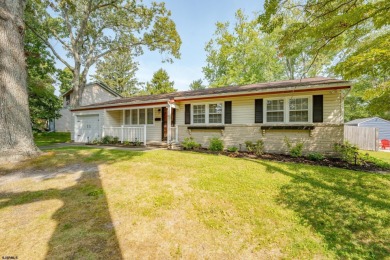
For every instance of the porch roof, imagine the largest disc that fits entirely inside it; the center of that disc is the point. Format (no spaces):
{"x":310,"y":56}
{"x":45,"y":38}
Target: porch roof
{"x":306,"y":84}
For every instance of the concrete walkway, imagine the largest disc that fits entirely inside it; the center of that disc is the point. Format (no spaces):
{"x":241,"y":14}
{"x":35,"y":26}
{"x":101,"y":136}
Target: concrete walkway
{"x":60,"y":145}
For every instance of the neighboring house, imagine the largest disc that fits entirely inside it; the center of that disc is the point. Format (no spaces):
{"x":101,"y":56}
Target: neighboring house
{"x":95,"y":92}
{"x":309,"y":110}
{"x":382,"y":125}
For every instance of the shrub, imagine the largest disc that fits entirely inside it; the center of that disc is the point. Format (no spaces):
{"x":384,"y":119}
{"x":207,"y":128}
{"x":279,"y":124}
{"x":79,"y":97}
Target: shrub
{"x":257,"y":148}
{"x":115,"y":140}
{"x":216,"y":144}
{"x":126,"y":143}
{"x":189,"y":143}
{"x":232,"y":149}
{"x":294,"y":150}
{"x":108,"y":139}
{"x":315,"y":156}
{"x":347,"y":152}
{"x":96,"y":141}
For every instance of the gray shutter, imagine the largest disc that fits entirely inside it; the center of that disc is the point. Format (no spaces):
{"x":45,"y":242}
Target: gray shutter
{"x":258,"y":110}
{"x":318,"y":108}
{"x":187,"y":112}
{"x":228,"y":112}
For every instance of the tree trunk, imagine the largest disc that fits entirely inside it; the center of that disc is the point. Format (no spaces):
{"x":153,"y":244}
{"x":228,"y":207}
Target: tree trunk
{"x":16,"y":139}
{"x":78,"y":84}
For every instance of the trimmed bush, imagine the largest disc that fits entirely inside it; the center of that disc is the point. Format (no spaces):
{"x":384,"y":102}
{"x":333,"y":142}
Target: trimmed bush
{"x":315,"y":156}
{"x":294,"y":150}
{"x":232,"y":149}
{"x":216,"y":144}
{"x":257,"y":148}
{"x":190,"y":144}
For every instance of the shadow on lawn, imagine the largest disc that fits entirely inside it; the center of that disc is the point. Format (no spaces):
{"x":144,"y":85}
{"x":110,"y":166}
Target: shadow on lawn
{"x":84,"y":225}
{"x":350,"y":210}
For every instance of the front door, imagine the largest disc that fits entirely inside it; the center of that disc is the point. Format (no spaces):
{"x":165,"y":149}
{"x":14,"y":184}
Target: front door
{"x":164,"y":116}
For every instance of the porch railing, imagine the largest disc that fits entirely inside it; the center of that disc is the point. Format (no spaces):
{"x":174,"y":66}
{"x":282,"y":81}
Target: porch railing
{"x":127,"y":133}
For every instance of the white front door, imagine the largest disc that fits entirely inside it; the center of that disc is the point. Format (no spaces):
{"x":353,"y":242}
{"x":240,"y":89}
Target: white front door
{"x":87,"y":128}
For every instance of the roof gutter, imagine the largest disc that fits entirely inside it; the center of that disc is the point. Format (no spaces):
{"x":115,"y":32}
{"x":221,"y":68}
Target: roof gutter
{"x":257,"y":93}
{"x":155,"y":102}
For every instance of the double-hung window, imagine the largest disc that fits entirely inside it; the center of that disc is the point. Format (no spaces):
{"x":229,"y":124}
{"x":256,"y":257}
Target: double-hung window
{"x":275,"y":110}
{"x":210,"y":113}
{"x":299,"y":110}
{"x":288,"y":110}
{"x":143,"y":116}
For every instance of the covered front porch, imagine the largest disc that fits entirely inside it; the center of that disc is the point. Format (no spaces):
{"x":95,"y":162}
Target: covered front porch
{"x":146,"y":125}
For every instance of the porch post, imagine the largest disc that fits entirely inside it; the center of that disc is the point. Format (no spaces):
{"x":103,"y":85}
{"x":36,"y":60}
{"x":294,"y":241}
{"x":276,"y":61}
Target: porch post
{"x":145,"y":135}
{"x":169,"y":124}
{"x":122,"y":134}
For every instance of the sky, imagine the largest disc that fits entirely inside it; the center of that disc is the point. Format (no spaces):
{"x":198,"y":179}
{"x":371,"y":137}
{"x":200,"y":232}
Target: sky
{"x":195,"y":22}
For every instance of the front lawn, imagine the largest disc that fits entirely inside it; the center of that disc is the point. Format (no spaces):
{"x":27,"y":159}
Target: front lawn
{"x":42,"y":139}
{"x":90,"y":203}
{"x":384,"y":156}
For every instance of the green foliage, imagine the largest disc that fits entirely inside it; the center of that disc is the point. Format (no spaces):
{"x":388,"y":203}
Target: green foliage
{"x":348,"y":152}
{"x":160,"y":83}
{"x":315,"y":156}
{"x":256,"y":148}
{"x":108,"y":139}
{"x":89,"y":30}
{"x":232,"y":149}
{"x":117,"y":71}
{"x":115,"y":140}
{"x":241,"y":55}
{"x":197,"y":85}
{"x":216,"y":144}
{"x":43,"y":103}
{"x":190,"y":144}
{"x":295,"y":150}
{"x":65,"y":78}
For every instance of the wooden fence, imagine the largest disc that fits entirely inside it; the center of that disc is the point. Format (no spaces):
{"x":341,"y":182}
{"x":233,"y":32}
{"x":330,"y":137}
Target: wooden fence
{"x":366,"y":138}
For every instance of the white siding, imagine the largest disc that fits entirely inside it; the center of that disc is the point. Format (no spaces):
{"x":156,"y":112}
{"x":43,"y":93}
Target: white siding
{"x":243,"y":111}
{"x":95,"y":94}
{"x":64,"y":123}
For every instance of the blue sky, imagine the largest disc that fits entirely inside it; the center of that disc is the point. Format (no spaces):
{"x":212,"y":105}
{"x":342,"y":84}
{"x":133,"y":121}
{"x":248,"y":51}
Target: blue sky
{"x":195,"y":22}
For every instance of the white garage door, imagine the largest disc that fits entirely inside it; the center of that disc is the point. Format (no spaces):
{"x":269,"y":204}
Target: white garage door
{"x":87,"y":128}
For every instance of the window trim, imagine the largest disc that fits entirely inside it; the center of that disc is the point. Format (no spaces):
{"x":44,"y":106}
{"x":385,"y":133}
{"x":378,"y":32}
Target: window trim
{"x":138,"y":124}
{"x":286,"y":110}
{"x":207,"y":109}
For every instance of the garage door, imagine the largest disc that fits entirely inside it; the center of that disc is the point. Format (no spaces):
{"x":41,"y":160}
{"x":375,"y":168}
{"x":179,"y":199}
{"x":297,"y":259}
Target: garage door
{"x":87,"y":128}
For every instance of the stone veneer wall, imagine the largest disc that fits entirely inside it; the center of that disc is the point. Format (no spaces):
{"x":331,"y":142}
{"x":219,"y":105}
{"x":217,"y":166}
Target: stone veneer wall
{"x":321,"y":139}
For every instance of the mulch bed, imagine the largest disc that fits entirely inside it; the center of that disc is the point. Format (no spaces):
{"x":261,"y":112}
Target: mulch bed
{"x":329,"y":161}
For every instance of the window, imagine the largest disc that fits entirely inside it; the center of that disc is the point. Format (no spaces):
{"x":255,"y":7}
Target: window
{"x":215,"y":113}
{"x":139,"y":116}
{"x":134,"y":117}
{"x":299,"y":110}
{"x":150,"y":116}
{"x":207,"y":113}
{"x":275,"y":110}
{"x":288,"y":110}
{"x":142,"y":116}
{"x":199,"y":114}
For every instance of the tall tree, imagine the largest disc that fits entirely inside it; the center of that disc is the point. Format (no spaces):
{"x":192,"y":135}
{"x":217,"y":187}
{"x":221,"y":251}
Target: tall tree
{"x":243,"y":56}
{"x":117,"y":71}
{"x":160,"y":83}
{"x":44,"y":104}
{"x":88,"y":30}
{"x":16,"y":139}
{"x":197,"y":84}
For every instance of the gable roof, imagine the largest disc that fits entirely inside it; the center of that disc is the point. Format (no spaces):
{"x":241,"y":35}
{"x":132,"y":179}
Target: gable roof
{"x":362,"y":120}
{"x":292,"y":85}
{"x":100,"y":84}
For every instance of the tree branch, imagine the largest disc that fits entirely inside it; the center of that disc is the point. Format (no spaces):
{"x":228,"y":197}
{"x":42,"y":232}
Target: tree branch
{"x":47,"y":43}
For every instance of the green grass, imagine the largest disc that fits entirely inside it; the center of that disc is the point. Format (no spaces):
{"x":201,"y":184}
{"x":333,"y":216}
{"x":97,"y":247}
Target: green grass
{"x":384,"y":156}
{"x":42,"y":139}
{"x":172,"y":204}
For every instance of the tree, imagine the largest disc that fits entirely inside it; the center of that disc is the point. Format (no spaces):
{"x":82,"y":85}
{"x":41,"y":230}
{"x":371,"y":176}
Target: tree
{"x":88,"y":30}
{"x":197,"y":84}
{"x":16,"y":141}
{"x":65,"y":78}
{"x":243,"y":56}
{"x":43,"y":103}
{"x":117,"y":71}
{"x":160,"y":83}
